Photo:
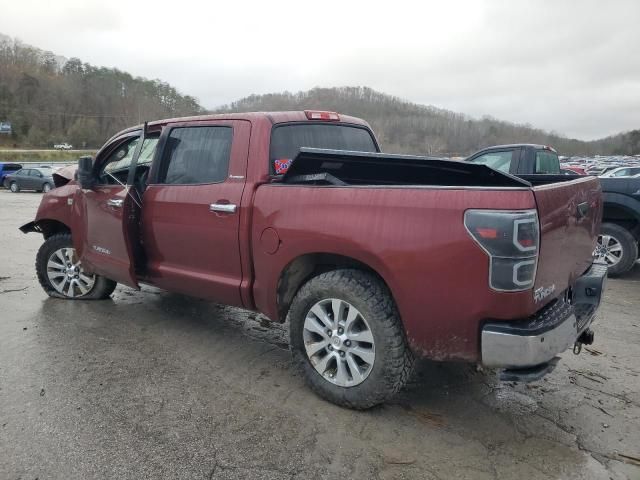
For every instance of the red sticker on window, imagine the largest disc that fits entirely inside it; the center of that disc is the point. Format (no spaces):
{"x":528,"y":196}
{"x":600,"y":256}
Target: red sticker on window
{"x":282,"y":165}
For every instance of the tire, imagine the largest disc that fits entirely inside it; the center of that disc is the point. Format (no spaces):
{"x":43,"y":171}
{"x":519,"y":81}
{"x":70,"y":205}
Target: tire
{"x":46,"y":188}
{"x":376,"y":317}
{"x":13,"y":186}
{"x":56,"y":250}
{"x":620,"y":245}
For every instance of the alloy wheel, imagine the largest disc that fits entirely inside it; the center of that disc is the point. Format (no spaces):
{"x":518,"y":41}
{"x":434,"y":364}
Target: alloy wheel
{"x":608,"y":249}
{"x":339,"y":342}
{"x":66,"y":274}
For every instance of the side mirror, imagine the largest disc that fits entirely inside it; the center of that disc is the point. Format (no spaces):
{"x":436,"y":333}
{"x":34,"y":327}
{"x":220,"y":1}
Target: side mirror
{"x":86,"y":178}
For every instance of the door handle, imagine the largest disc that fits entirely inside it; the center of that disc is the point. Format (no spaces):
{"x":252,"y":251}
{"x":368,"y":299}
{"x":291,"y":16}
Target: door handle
{"x":223,"y":207}
{"x":115,"y":202}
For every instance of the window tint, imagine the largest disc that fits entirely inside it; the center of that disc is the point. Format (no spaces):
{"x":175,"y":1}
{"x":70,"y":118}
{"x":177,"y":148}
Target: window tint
{"x":547,"y":162}
{"x":196,"y":155}
{"x":286,"y":141}
{"x":35,"y":173}
{"x":498,"y":160}
{"x":120,"y":159}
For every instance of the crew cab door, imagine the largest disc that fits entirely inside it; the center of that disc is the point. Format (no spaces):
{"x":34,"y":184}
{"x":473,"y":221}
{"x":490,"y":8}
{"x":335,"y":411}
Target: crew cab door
{"x":192,"y":209}
{"x":105,"y":233}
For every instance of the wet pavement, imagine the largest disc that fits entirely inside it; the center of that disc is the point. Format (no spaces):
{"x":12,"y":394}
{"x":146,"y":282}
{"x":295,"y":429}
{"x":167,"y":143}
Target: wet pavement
{"x":156,"y":385}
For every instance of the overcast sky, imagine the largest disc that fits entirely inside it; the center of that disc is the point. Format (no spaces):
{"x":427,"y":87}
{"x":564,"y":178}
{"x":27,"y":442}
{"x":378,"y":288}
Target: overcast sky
{"x":568,"y":66}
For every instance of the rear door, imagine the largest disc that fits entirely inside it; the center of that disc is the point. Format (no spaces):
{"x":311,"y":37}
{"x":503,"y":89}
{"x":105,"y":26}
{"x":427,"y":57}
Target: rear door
{"x":106,"y":216}
{"x":569,"y":214}
{"x":191,"y":213}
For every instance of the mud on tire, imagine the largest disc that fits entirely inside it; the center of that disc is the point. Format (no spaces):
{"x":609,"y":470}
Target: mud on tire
{"x":369,"y":295}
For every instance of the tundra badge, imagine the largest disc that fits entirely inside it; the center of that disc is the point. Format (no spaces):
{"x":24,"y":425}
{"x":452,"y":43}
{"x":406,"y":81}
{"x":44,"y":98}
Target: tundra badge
{"x":543,"y":292}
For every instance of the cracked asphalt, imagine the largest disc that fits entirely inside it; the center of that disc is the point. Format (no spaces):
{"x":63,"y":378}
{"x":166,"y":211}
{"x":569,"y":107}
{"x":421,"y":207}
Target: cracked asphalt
{"x":155,"y":385}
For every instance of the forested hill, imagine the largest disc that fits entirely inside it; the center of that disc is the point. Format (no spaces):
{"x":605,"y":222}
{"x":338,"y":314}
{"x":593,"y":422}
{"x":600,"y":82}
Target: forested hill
{"x":49,"y":99}
{"x":404,"y":127}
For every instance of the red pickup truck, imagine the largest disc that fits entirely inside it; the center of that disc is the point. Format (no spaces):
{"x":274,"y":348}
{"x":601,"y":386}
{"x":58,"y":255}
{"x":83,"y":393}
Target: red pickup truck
{"x":372,"y":258}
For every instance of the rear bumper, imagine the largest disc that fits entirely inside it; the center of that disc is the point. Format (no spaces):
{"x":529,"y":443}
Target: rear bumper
{"x":535,"y":341}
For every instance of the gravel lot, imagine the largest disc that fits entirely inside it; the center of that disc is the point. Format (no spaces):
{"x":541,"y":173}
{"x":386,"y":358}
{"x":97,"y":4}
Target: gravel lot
{"x":156,"y":385}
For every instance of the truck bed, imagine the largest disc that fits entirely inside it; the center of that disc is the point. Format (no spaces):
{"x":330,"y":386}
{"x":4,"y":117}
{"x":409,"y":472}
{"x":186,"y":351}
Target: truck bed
{"x":339,"y":167}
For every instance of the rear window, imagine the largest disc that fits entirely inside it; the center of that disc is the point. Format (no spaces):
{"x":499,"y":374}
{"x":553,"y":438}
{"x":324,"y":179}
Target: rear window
{"x":286,"y":141}
{"x":547,"y":162}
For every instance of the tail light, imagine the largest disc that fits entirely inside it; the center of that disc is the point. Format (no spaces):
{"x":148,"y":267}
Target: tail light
{"x":512,"y":240}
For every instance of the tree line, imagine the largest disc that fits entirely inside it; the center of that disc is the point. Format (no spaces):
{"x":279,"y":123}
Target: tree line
{"x":48,"y":99}
{"x":405,"y":127}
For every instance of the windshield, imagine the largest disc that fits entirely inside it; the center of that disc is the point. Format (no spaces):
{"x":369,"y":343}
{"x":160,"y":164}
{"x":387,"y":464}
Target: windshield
{"x":286,"y":141}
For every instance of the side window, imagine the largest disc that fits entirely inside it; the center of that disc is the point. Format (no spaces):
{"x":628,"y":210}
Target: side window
{"x":117,"y":165}
{"x":547,"y":162}
{"x":498,"y":160}
{"x":621,"y":173}
{"x":35,"y":173}
{"x":196,"y":155}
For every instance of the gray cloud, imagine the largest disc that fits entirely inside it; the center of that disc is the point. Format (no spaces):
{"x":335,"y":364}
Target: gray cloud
{"x":566,"y":66}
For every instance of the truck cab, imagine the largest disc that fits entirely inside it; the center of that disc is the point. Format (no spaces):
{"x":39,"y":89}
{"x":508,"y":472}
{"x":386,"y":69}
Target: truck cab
{"x":519,"y":159}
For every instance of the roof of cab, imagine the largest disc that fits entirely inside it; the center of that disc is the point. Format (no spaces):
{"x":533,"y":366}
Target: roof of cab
{"x":271,"y":117}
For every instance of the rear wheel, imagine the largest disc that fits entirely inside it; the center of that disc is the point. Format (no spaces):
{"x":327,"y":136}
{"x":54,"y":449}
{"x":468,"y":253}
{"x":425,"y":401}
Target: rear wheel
{"x":13,"y":186}
{"x":616,"y":246}
{"x":46,"y":187}
{"x":61,"y":274}
{"x":347,"y":339}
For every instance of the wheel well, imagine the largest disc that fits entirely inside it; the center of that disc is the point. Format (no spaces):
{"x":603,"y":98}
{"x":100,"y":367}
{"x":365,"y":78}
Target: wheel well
{"x":621,"y":216}
{"x":49,"y":228}
{"x":307,"y":266}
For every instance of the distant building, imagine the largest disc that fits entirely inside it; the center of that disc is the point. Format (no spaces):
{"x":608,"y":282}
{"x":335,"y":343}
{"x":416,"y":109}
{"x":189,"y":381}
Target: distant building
{"x":5,"y":128}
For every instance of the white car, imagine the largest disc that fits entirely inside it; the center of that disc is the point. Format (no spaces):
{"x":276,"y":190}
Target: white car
{"x":63,"y":146}
{"x":622,"y":172}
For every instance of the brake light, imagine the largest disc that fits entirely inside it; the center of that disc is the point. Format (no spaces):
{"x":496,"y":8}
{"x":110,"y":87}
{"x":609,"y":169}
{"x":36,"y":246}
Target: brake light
{"x":511,"y":239}
{"x":320,"y":115}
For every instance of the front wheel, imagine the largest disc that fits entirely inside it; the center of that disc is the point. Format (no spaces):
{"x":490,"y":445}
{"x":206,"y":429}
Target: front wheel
{"x":616,"y":246}
{"x":347,"y":339}
{"x":61,"y":275}
{"x":14,"y":187}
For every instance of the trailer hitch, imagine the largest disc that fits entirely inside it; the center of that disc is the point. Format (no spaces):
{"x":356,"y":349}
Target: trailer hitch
{"x":585,"y":338}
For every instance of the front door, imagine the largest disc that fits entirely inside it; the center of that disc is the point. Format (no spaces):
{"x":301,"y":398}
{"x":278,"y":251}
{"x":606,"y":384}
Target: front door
{"x":191,"y":209}
{"x":105,"y":232}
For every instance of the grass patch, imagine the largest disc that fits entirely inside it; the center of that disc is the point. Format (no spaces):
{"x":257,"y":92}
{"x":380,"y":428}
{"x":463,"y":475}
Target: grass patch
{"x":18,"y":156}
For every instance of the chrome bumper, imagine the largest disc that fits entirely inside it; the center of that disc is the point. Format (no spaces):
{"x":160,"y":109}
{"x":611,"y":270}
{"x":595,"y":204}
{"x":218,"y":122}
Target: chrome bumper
{"x":537,"y":340}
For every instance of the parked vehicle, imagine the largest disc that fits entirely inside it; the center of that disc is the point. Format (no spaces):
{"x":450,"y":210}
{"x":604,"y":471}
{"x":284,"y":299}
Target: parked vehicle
{"x":358,"y":250}
{"x":622,"y":172}
{"x":574,"y":169}
{"x":6,"y":169}
{"x":63,"y":146}
{"x":519,"y":159}
{"x":620,"y":230}
{"x":620,"y":235}
{"x":38,"y":179}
